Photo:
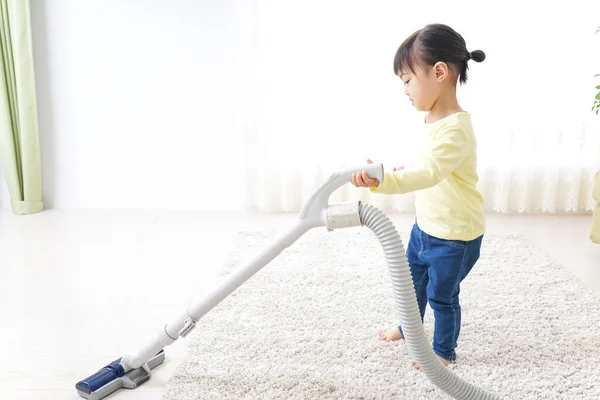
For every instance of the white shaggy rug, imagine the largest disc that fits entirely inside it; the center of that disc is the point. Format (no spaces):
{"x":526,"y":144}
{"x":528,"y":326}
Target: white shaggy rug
{"x":306,"y":327}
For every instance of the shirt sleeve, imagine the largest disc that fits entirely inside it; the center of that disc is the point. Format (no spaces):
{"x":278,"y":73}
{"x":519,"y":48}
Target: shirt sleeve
{"x":450,"y":148}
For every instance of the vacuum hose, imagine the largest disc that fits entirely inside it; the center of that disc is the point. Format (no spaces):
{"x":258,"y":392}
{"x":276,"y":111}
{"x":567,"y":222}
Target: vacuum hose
{"x":410,"y":318}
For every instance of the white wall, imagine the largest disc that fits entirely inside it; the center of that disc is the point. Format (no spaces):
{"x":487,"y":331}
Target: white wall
{"x":138,"y":103}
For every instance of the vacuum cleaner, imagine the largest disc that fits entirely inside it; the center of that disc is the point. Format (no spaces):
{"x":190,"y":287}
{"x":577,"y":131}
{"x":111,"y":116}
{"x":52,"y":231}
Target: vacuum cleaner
{"x":133,"y":369}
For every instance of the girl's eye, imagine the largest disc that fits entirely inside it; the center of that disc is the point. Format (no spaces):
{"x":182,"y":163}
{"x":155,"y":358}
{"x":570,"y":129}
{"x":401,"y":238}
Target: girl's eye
{"x":406,"y":83}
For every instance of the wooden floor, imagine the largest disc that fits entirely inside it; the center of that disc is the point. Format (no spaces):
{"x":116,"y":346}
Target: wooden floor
{"x":78,"y":289}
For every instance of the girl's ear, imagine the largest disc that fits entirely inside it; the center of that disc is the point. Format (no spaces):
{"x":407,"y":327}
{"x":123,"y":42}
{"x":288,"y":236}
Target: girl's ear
{"x":441,"y":71}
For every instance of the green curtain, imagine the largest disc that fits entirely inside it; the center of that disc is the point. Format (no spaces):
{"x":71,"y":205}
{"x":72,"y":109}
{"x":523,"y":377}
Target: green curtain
{"x":19,"y":139}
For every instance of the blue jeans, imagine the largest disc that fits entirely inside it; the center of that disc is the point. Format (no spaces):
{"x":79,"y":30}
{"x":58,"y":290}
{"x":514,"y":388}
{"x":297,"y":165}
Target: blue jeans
{"x":438,"y":267}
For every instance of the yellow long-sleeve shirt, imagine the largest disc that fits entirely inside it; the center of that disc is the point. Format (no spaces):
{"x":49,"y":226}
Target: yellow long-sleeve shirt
{"x":448,"y":203}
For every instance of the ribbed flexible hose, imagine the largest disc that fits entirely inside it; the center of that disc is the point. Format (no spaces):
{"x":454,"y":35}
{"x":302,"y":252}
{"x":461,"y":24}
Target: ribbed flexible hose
{"x":417,"y":342}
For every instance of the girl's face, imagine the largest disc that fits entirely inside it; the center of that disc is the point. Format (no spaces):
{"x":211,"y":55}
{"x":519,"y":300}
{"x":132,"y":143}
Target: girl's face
{"x":424,"y":86}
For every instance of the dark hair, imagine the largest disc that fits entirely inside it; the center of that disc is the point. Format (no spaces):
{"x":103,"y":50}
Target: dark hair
{"x":434,"y":43}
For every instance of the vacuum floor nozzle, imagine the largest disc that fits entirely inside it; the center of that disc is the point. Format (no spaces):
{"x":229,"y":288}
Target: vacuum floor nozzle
{"x":113,"y":377}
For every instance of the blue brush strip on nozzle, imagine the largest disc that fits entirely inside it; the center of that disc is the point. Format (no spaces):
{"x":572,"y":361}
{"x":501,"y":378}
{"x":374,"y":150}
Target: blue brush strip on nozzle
{"x":107,"y":374}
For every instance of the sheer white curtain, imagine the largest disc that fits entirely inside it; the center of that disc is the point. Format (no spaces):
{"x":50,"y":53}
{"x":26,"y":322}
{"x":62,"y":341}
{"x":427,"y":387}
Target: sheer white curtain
{"x":320,"y":94}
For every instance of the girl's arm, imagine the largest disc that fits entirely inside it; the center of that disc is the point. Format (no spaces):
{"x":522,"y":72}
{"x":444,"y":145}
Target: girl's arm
{"x":450,"y":149}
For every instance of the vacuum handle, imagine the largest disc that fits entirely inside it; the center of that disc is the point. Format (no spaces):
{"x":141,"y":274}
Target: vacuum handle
{"x":317,"y":203}
{"x":374,"y":170}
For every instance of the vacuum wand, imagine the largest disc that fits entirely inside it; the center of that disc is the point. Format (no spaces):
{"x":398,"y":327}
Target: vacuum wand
{"x":133,"y":369}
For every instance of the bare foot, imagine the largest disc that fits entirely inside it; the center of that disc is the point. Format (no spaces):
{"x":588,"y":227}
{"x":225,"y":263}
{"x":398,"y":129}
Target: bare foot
{"x":444,"y":362}
{"x":391,"y":335}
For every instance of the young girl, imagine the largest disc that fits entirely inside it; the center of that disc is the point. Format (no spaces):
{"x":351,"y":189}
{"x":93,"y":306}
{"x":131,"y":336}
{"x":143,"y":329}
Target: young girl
{"x":446,"y":238}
